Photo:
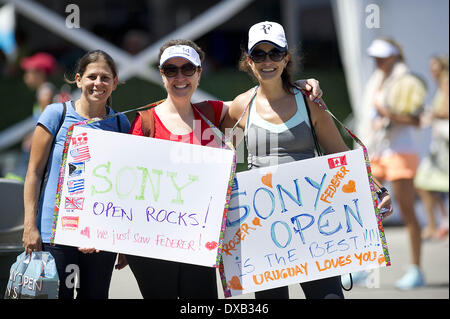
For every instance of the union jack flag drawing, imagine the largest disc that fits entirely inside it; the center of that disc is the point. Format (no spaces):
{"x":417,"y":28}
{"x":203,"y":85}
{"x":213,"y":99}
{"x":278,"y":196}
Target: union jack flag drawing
{"x":76,"y":186}
{"x":80,"y":154}
{"x":74,"y":203}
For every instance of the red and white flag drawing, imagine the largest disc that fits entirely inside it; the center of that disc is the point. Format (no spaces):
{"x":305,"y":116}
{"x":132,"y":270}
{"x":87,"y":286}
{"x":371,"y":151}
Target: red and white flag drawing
{"x":80,"y":154}
{"x":337,"y":161}
{"x":70,"y":222}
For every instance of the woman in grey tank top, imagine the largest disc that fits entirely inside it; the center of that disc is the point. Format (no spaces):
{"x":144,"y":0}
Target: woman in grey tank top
{"x":279,"y":124}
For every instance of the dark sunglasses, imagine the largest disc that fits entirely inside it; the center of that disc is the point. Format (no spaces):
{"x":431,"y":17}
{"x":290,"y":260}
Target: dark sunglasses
{"x":275,"y":55}
{"x":171,"y":70}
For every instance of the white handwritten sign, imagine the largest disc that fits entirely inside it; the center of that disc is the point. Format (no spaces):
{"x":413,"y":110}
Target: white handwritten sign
{"x":143,"y":196}
{"x":299,"y":222}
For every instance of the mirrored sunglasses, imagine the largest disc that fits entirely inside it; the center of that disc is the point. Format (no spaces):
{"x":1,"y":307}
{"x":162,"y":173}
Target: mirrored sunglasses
{"x":275,"y":55}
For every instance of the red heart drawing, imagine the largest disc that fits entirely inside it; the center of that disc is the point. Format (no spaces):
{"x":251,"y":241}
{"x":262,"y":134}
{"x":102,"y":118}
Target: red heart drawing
{"x":211,"y":245}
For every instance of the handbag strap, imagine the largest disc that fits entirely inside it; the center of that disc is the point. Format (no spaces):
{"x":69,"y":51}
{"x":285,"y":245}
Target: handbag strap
{"x":313,"y":131}
{"x":211,"y":125}
{"x":255,"y":89}
{"x":226,"y":143}
{"x":147,"y":119}
{"x":46,"y":169}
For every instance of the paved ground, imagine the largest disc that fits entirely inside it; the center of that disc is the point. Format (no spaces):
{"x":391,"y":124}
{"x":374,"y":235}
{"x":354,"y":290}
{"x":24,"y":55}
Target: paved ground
{"x":435,"y":259}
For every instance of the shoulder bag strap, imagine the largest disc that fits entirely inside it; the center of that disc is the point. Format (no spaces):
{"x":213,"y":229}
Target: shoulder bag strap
{"x":206,"y":109}
{"x":313,"y":131}
{"x":147,"y":119}
{"x":46,"y":170}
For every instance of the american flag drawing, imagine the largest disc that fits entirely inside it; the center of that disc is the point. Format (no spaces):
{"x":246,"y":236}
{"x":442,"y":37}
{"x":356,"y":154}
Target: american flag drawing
{"x":74,"y":203}
{"x":76,"y":186}
{"x":337,"y":161}
{"x":80,"y":154}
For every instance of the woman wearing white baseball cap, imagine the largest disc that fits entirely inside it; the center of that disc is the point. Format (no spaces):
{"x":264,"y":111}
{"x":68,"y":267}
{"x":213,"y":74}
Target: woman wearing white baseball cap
{"x":277,"y":109}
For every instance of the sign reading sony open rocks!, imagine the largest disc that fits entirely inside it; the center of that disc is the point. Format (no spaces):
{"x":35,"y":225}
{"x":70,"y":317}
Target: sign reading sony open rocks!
{"x":299,"y":222}
{"x":143,"y":196}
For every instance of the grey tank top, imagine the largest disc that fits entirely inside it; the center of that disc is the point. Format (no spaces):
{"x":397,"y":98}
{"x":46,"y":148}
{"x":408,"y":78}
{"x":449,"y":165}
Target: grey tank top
{"x":271,"y":144}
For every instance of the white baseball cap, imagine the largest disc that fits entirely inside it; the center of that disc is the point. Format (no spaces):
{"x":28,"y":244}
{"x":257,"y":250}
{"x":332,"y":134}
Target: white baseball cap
{"x":266,"y":32}
{"x":382,"y":49}
{"x":180,"y":51}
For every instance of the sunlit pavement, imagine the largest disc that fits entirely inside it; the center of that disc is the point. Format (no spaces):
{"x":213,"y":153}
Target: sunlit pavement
{"x":435,"y":265}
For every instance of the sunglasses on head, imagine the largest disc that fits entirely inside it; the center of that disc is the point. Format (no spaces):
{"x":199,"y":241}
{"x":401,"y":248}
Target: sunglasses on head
{"x":275,"y":55}
{"x":171,"y":70}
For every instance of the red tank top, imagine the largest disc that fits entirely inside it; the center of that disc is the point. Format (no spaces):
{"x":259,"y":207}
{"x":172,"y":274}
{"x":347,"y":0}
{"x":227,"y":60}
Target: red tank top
{"x":201,"y":134}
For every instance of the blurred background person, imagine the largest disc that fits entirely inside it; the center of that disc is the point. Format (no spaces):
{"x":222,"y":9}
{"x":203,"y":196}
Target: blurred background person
{"x":37,"y":68}
{"x":134,"y":41}
{"x":393,"y":100}
{"x":433,"y":173}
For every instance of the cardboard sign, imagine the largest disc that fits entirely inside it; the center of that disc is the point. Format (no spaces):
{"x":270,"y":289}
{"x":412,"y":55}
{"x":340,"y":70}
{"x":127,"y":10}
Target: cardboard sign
{"x":143,"y":196}
{"x":301,"y":221}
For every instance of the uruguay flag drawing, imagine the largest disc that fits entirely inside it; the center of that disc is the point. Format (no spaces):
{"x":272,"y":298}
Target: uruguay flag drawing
{"x":76,"y":186}
{"x":7,"y":25}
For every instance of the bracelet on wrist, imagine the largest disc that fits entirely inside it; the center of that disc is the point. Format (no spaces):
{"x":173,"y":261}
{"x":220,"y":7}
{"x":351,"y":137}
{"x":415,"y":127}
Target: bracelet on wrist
{"x":382,"y":191}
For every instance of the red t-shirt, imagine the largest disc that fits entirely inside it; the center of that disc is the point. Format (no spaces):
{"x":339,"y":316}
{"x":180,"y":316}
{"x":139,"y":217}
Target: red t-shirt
{"x":204,"y":136}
